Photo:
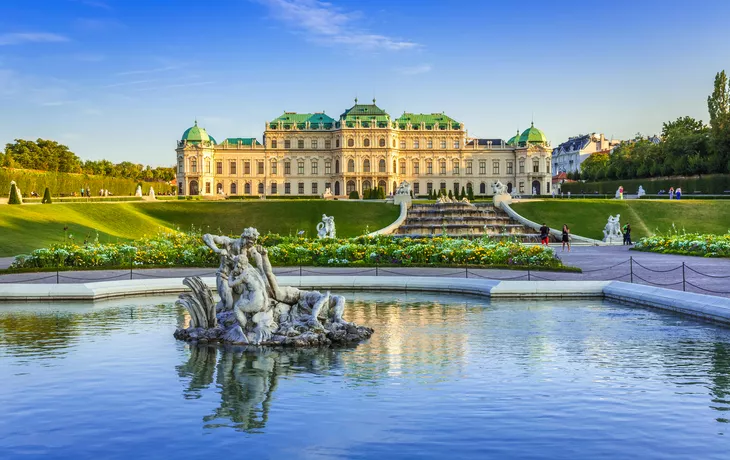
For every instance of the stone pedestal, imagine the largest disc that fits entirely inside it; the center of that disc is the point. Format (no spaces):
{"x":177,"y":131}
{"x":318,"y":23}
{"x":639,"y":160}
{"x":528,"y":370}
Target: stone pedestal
{"x":398,"y":199}
{"x":614,"y":239}
{"x":502,"y":198}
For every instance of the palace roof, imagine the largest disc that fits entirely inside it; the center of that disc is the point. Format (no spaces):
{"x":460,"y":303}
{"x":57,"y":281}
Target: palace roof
{"x":248,"y":141}
{"x":485,"y":142}
{"x":196,"y":134}
{"x":532,"y":135}
{"x":431,"y":120}
{"x":291,"y":119}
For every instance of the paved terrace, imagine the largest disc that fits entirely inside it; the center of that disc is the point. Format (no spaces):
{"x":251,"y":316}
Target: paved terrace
{"x":605,"y":263}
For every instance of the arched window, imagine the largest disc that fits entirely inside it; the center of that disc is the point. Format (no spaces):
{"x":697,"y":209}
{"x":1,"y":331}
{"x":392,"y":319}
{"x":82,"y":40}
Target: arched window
{"x":366,"y":142}
{"x":381,"y":184}
{"x":274,"y":188}
{"x":482,"y":188}
{"x":272,"y":169}
{"x":207,"y":166}
{"x":234,"y":188}
{"x":394,"y":168}
{"x":366,"y":166}
{"x":522,"y":166}
{"x":350,"y":187}
{"x":393,"y":143}
{"x":350,"y":165}
{"x":247,"y":188}
{"x":381,"y":167}
{"x":194,"y":165}
{"x":366,"y":185}
{"x":509,"y":187}
{"x":350,"y":142}
{"x":403,"y":167}
{"x":180,"y":165}
{"x":337,"y":166}
{"x":337,"y":142}
{"x":535,"y":165}
{"x":219,"y":189}
{"x":381,"y":142}
{"x":261,"y":188}
{"x":416,"y":167}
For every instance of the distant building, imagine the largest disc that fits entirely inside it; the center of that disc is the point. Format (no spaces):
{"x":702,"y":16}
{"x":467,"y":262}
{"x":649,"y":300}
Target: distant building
{"x":568,"y":156}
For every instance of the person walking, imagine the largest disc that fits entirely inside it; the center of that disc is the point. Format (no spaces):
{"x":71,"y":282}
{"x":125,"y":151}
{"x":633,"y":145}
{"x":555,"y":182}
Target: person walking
{"x":678,"y":193}
{"x":545,"y":235}
{"x":627,"y":234}
{"x":566,"y":236}
{"x":671,"y":193}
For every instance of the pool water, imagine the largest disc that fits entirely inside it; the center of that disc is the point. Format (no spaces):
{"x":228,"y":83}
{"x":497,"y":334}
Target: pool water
{"x":456,"y":377}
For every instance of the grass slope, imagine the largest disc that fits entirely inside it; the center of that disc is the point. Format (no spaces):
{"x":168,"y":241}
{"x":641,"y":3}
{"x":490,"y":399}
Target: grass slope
{"x":588,"y":217}
{"x":28,"y":227}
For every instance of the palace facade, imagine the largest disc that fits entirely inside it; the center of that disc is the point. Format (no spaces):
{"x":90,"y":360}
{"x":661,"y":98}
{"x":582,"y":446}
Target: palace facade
{"x":364,"y":148}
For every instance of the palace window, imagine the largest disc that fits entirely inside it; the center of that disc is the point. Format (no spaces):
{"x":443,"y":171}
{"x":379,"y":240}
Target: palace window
{"x":287,"y":188}
{"x":366,"y":142}
{"x":194,"y":165}
{"x":337,"y":142}
{"x":429,"y":167}
{"x":366,"y":166}
{"x":287,"y":144}
{"x":429,"y":143}
{"x":337,"y":166}
{"x":350,"y":187}
{"x":315,"y":167}
{"x":442,"y":186}
{"x":300,"y":143}
{"x":395,"y":169}
{"x":232,"y":167}
{"x":416,"y":167}
{"x":443,"y":143}
{"x":416,"y":188}
{"x":300,"y":188}
{"x":247,"y":188}
{"x":207,"y":187}
{"x":272,"y":168}
{"x":456,"y":188}
{"x":415,"y":143}
{"x":314,"y":143}
{"x":350,"y":165}
{"x":328,"y":144}
{"x":260,"y":168}
{"x":273,"y":188}
{"x":442,"y":167}
{"x":234,"y":188}
{"x":314,"y":188}
{"x":482,"y":188}
{"x":535,"y":165}
{"x":327,"y":185}
{"x":273,"y":143}
{"x":393,"y":143}
{"x":522,"y":187}
{"x":403,"y":144}
{"x":482,"y":168}
{"x":381,"y":142}
{"x":180,"y":165}
{"x":287,"y":168}
{"x":547,"y":166}
{"x":381,"y":166}
{"x":456,"y":143}
{"x":327,"y":168}
{"x":207,"y":166}
{"x":261,"y":188}
{"x":495,"y":168}
{"x":350,"y":142}
{"x":366,"y":185}
{"x":510,"y":168}
{"x":219,"y":167}
{"x":300,"y":167}
{"x":455,"y":167}
{"x":246,"y":168}
{"x":403,"y":167}
{"x":469,"y":168}
{"x":522,"y":166}
{"x":429,"y":188}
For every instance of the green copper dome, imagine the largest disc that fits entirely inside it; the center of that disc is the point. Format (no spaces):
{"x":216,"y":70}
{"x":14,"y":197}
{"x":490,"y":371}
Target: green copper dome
{"x":197,"y":134}
{"x":532,"y":135}
{"x":514,"y":140}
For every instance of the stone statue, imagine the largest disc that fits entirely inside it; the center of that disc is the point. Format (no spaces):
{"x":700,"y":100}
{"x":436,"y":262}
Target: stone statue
{"x":152,"y":193}
{"x":327,"y":193}
{"x":444,"y":199}
{"x":138,"y":192}
{"x":534,"y":191}
{"x":612,"y":230}
{"x":641,"y":192}
{"x":404,"y":188}
{"x":499,"y":188}
{"x":326,"y":228}
{"x":254,"y":309}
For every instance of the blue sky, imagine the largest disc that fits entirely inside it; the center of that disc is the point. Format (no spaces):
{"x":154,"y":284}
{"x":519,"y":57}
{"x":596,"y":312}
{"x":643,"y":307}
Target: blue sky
{"x":122,"y":79}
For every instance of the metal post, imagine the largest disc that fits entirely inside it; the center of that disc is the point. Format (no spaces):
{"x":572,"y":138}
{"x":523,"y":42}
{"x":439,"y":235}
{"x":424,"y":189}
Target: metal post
{"x":466,"y":271}
{"x":631,"y":264}
{"x":131,"y":261}
{"x":684,"y":279}
{"x":376,"y":269}
{"x":58,"y":263}
{"x":528,"y":274}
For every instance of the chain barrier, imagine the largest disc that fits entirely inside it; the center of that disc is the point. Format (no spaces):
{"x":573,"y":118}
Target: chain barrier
{"x":657,"y":271}
{"x":708,"y":290}
{"x":29,"y":281}
{"x":654,"y":283}
{"x":705,"y":274}
{"x":94,"y":279}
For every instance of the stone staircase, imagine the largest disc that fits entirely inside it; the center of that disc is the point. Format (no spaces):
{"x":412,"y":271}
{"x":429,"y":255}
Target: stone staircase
{"x":462,"y":220}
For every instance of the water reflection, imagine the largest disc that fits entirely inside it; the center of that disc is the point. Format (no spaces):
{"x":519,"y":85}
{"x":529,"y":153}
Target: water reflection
{"x":246,"y":378}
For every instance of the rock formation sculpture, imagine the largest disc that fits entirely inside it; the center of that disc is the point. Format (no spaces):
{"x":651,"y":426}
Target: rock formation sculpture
{"x":612,"y":230}
{"x":326,"y":228}
{"x":255,"y":309}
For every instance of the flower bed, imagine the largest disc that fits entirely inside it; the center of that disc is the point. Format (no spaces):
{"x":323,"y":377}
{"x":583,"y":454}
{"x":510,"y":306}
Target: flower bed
{"x":188,"y":250}
{"x":693,"y":244}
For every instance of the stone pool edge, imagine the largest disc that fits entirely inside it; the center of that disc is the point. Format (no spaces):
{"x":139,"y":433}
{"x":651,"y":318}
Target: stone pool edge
{"x":698,"y":305}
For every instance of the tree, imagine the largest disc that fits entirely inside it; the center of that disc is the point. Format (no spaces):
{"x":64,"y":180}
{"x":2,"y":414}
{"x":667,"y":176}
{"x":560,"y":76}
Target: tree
{"x":463,"y":193}
{"x":470,"y":193}
{"x":14,"y":197}
{"x":718,"y":104}
{"x":354,"y":195}
{"x":47,"y":196}
{"x":451,"y":194}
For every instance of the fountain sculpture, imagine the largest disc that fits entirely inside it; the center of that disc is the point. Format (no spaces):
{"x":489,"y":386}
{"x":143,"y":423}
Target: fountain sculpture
{"x":641,"y":192}
{"x":612,"y":230}
{"x":326,"y":228}
{"x":152,"y":193}
{"x":138,"y":192}
{"x":254,"y":309}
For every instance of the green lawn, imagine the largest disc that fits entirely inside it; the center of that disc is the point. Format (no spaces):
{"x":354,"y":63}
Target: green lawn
{"x":588,"y":217}
{"x":27,"y":227}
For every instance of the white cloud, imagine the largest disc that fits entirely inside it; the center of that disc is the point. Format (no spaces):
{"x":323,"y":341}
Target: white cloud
{"x":31,"y":37}
{"x":144,"y":71}
{"x":415,"y":70}
{"x":330,"y":25}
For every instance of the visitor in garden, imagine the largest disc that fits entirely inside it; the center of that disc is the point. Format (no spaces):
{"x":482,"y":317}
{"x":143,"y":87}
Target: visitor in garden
{"x":627,"y":234}
{"x":671,"y":193}
{"x":545,"y":235}
{"x":621,"y":192}
{"x":566,"y":236}
{"x":678,"y":193}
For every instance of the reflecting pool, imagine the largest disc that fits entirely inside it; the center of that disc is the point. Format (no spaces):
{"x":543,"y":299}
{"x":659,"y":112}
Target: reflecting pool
{"x":442,"y":376}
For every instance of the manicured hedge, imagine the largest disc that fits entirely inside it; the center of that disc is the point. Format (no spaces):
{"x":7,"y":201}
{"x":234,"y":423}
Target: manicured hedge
{"x":709,"y":185}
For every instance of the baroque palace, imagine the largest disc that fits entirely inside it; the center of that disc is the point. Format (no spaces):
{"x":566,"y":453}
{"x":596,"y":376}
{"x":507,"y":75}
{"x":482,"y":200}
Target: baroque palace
{"x":307,"y":153}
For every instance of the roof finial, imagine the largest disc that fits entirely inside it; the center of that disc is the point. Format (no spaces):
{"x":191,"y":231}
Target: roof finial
{"x":532,"y":123}
{"x":196,"y":121}
{"x":355,"y":100}
{"x":373,"y":101}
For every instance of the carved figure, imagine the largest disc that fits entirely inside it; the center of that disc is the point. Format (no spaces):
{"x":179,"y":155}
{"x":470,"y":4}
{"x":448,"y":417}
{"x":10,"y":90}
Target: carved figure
{"x":499,"y":188}
{"x":326,"y":228}
{"x":404,"y":188}
{"x":138,"y":192}
{"x":327,"y":193}
{"x":152,"y":193}
{"x":612,"y":230}
{"x":641,"y":192}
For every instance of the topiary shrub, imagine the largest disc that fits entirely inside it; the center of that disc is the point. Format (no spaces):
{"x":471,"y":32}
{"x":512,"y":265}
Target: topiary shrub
{"x":354,"y":195}
{"x":47,"y":196}
{"x":14,"y":197}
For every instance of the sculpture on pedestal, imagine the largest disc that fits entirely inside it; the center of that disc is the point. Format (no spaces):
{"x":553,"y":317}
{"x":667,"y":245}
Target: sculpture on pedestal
{"x":499,"y":188}
{"x":612,"y":230}
{"x":641,"y":192}
{"x":326,"y":228}
{"x":327,"y":193}
{"x":254,"y":309}
{"x":152,"y":193}
{"x":404,"y":188}
{"x":138,"y":192}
